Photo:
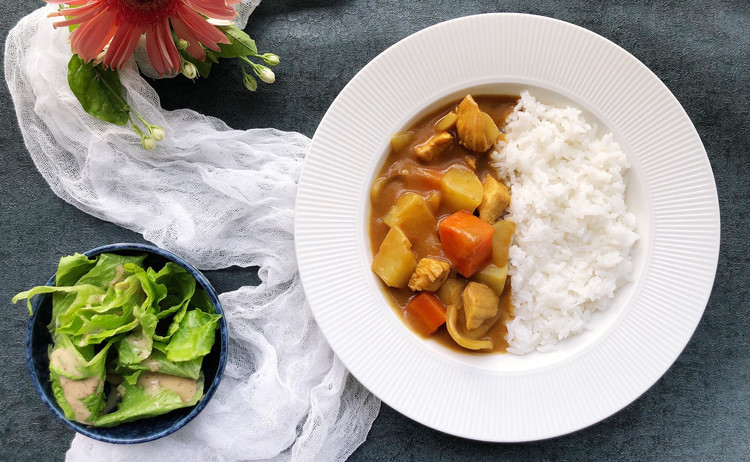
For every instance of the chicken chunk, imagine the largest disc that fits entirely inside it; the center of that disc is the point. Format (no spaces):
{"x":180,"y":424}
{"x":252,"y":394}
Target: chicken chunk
{"x":429,"y":275}
{"x":476,"y":129}
{"x":480,"y":303}
{"x":495,"y":199}
{"x":433,"y":147}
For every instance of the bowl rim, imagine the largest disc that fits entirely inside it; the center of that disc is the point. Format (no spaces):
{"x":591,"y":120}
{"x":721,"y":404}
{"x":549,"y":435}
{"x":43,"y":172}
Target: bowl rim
{"x":209,"y":391}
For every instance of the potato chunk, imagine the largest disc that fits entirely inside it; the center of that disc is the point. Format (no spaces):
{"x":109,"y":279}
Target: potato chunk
{"x":461,"y":189}
{"x":446,"y":123}
{"x":480,"y":303}
{"x":450,"y":291}
{"x":495,"y":199}
{"x":476,"y":129}
{"x":411,"y":213}
{"x":501,"y":238}
{"x":433,"y":147}
{"x":395,"y":261}
{"x":402,"y":140}
{"x":493,"y":277}
{"x":429,"y":275}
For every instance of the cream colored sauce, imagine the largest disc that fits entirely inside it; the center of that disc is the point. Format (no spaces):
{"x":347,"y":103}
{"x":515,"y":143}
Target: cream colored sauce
{"x":152,"y":364}
{"x":155,"y":382}
{"x":120,"y":272}
{"x":95,"y":299}
{"x":75,"y":390}
{"x":140,"y":344}
{"x":66,"y":360}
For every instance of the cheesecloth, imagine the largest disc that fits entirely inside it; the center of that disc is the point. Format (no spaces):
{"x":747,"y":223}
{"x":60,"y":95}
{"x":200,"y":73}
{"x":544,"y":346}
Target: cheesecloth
{"x":218,"y":197}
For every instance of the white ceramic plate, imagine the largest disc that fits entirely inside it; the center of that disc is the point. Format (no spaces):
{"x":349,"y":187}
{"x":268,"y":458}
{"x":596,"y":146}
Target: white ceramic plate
{"x":671,"y":190}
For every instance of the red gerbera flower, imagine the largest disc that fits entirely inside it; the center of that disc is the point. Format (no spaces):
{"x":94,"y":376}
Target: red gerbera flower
{"x":120,"y":24}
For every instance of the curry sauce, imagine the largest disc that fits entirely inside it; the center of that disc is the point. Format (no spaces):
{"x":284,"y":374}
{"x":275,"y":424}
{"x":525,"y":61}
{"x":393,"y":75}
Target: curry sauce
{"x":404,"y":172}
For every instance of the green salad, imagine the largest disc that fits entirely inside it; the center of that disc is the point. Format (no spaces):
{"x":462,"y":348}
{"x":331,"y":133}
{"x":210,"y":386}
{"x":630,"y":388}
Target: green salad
{"x":128,"y":341}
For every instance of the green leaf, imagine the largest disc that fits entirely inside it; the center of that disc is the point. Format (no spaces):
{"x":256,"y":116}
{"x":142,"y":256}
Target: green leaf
{"x":138,"y":403}
{"x":137,"y":345}
{"x":72,"y":268}
{"x":180,"y":287}
{"x":98,"y":90}
{"x":202,"y":301}
{"x":158,"y":362}
{"x":59,"y":393}
{"x":240,"y":43}
{"x":68,"y":361}
{"x":68,"y":365}
{"x":194,"y":338}
{"x":172,"y":323}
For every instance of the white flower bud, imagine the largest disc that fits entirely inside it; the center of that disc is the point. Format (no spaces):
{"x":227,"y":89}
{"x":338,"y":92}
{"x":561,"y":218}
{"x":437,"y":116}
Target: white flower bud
{"x":148,"y":143}
{"x":271,"y":59}
{"x":189,"y":70}
{"x":157,"y":133}
{"x":266,"y":75}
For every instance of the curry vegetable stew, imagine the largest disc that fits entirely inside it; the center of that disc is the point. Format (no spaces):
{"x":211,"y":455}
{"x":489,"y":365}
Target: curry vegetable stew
{"x":438,"y":236}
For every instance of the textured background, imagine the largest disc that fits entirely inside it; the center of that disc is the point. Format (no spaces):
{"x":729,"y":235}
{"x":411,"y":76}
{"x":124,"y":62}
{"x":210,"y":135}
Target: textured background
{"x":699,"y":410}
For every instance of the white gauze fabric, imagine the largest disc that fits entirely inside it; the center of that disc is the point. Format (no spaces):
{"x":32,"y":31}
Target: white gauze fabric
{"x":218,"y":197}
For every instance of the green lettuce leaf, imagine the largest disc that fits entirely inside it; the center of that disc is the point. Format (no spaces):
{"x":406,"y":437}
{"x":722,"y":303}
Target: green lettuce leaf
{"x":109,"y":268}
{"x":94,"y":319}
{"x":72,"y":268}
{"x":77,"y":363}
{"x":59,"y":393}
{"x":202,"y":301}
{"x":154,"y":291}
{"x":137,"y":346}
{"x":79,"y":294}
{"x":180,"y":286}
{"x":69,"y":366}
{"x":137,"y":403}
{"x":158,"y":362}
{"x":195,"y":337}
{"x":173,"y":324}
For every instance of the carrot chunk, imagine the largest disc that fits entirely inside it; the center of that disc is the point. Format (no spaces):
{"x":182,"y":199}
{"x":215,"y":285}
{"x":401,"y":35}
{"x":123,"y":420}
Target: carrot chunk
{"x":467,"y":241}
{"x":425,"y":313}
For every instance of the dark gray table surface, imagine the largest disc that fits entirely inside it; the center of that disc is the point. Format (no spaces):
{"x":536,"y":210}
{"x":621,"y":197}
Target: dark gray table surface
{"x":699,"y":410}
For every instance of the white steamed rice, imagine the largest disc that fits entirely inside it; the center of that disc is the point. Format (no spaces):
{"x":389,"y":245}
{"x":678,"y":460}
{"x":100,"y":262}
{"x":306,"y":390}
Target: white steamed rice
{"x":574,"y":235}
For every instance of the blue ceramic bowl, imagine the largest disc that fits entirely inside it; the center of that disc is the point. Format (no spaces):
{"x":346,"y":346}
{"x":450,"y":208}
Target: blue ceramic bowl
{"x":38,"y":341}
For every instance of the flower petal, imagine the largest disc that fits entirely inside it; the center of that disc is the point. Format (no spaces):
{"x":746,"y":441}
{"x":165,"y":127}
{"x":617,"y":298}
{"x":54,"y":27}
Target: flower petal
{"x":213,"y":8}
{"x":195,"y":49}
{"x":68,"y":2}
{"x":89,"y":38}
{"x":77,"y":15}
{"x":161,"y":49}
{"x":207,"y":34}
{"x":154,"y":51}
{"x":122,"y":45}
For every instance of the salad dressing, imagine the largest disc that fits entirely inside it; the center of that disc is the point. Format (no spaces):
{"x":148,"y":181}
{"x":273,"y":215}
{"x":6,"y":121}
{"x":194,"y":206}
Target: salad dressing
{"x":76,"y":390}
{"x":155,"y":382}
{"x":120,"y":272}
{"x":152,"y":364}
{"x":141,"y":344}
{"x":65,"y":360}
